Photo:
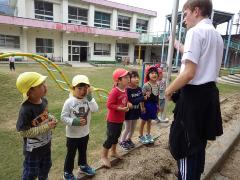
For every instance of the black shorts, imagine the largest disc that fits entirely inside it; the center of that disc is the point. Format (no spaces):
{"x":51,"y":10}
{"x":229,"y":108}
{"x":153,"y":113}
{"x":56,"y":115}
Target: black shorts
{"x":113,"y":133}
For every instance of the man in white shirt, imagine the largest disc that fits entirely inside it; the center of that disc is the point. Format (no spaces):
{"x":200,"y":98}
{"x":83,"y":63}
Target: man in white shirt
{"x":197,"y":115}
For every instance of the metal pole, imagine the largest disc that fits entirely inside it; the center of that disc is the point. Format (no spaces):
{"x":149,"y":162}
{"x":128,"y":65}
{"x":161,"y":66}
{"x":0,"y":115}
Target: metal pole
{"x":171,"y":48}
{"x":228,"y":43}
{"x":179,"y":39}
{"x":164,"y":36}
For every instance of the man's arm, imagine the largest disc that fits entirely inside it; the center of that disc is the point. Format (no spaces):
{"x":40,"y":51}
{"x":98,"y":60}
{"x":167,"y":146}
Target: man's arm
{"x":182,"y":79}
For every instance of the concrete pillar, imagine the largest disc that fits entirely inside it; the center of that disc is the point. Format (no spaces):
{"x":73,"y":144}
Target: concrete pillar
{"x":114,"y":19}
{"x":21,"y":8}
{"x":23,"y":41}
{"x":91,"y":13}
{"x":150,"y":25}
{"x":133,"y":23}
{"x":64,"y":7}
{"x":131,"y":53}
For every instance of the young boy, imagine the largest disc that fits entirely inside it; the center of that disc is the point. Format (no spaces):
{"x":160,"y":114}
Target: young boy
{"x":76,"y":114}
{"x":117,"y":105}
{"x":35,"y":124}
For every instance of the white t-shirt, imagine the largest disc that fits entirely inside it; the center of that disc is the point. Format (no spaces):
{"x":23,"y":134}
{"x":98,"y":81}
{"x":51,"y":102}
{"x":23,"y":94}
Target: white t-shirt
{"x":204,"y":47}
{"x":71,"y":109}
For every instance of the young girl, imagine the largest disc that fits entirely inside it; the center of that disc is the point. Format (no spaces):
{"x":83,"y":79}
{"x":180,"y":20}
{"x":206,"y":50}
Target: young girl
{"x":135,"y":97}
{"x":117,"y":106}
{"x":151,"y":89}
{"x":76,"y":114}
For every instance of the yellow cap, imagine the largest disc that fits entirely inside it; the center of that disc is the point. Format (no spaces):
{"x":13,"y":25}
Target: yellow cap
{"x":80,"y":79}
{"x":27,"y":80}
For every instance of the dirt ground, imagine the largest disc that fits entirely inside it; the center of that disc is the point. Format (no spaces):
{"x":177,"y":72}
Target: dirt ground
{"x":156,"y":163}
{"x":230,"y":168}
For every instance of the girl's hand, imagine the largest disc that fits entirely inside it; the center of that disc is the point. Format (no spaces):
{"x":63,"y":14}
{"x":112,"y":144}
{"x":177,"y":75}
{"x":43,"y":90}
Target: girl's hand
{"x":129,"y":105}
{"x":143,"y":110}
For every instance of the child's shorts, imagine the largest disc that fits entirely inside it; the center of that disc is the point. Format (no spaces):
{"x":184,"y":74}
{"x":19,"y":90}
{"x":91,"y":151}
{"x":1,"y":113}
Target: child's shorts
{"x":151,"y":111}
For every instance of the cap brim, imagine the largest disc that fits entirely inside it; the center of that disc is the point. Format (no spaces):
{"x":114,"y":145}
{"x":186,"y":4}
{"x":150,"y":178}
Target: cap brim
{"x":126,"y":73}
{"x":39,"y":81}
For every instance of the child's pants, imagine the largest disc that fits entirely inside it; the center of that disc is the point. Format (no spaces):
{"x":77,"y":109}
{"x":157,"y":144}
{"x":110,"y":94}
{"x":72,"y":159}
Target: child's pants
{"x":37,"y":165}
{"x":113,"y":133}
{"x":128,"y":130}
{"x":74,"y":144}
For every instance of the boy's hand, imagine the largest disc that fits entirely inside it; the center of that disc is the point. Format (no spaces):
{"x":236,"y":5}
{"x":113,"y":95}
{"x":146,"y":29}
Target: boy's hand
{"x":83,"y":121}
{"x":124,"y":109}
{"x":52,"y":124}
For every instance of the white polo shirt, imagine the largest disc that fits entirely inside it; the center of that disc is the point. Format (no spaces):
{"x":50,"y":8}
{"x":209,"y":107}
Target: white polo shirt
{"x":204,"y":47}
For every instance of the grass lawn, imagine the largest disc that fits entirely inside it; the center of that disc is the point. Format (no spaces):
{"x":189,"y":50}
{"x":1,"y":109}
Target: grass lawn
{"x":11,"y":143}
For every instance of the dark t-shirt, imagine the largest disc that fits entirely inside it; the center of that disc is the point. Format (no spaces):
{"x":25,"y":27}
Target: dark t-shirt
{"x":33,"y":115}
{"x":135,"y":96}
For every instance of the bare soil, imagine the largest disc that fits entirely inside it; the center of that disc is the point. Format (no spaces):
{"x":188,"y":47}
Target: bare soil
{"x":156,"y":163}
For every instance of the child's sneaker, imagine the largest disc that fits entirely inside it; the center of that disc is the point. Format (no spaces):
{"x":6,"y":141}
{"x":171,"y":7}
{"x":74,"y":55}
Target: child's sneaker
{"x":149,"y":139}
{"x":68,"y":176}
{"x":87,"y":170}
{"x":143,"y":140}
{"x":130,"y":143}
{"x":124,"y":145}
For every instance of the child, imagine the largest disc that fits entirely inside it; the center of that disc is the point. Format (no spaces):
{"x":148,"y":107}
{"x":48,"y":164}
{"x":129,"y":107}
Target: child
{"x":76,"y":114}
{"x":117,"y":106}
{"x":34,"y":125}
{"x":162,"y":87}
{"x":151,"y":89}
{"x":12,"y":63}
{"x":135,"y":97}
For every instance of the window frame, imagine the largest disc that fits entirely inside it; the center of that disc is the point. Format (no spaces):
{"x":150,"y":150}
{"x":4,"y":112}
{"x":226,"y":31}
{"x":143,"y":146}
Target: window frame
{"x":119,"y":49}
{"x":102,"y":23}
{"x":122,"y":26}
{"x":44,"y":45}
{"x":83,"y":20}
{"x":43,"y":14}
{"x":101,"y":51}
{"x":13,"y":43}
{"x":142,"y":27}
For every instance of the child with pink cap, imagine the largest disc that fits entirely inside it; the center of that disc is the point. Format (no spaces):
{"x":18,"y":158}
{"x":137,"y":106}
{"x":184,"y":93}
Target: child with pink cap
{"x":117,"y":105}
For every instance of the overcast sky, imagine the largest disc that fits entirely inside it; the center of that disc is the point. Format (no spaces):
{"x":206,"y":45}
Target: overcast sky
{"x":164,"y":7}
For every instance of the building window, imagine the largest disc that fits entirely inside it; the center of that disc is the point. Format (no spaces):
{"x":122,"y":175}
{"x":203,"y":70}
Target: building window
{"x":43,"y":10}
{"x":44,"y":45}
{"x":77,"y":15}
{"x":122,"y":49}
{"x":102,"y":20}
{"x":141,"y":26}
{"x":123,"y":23}
{"x":9,"y":41}
{"x":102,"y":49}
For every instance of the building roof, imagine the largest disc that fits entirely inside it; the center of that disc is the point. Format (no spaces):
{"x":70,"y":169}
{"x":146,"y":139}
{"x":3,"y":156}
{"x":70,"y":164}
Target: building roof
{"x":218,"y":18}
{"x":123,"y":7}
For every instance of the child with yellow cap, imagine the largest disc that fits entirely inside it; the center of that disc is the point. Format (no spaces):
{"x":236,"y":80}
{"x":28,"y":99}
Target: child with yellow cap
{"x":76,"y":114}
{"x":34,"y":124}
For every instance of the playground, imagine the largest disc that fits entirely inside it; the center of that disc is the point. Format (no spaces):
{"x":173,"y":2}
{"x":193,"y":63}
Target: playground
{"x":154,"y":161}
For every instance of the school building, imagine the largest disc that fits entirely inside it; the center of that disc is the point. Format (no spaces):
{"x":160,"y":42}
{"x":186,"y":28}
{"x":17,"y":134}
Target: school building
{"x":73,"y":30}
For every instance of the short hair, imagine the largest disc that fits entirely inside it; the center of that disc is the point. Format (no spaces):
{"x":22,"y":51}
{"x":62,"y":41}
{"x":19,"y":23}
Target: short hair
{"x":133,"y":73}
{"x":204,"y":5}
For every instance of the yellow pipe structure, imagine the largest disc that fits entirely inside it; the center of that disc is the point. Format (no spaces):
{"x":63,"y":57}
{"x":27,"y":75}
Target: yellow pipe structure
{"x":51,"y":68}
